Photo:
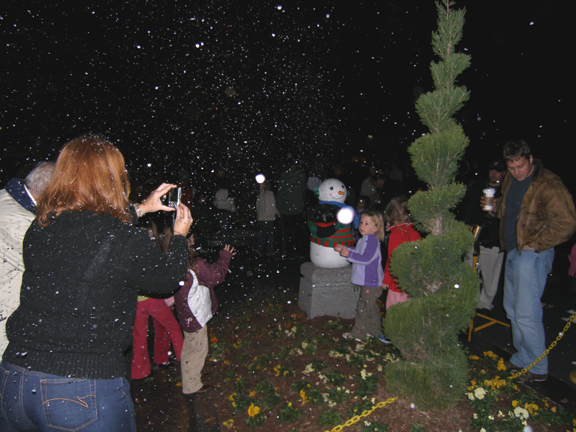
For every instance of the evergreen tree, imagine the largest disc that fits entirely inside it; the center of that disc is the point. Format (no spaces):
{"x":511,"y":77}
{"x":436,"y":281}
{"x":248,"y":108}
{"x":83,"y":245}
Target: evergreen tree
{"x":443,"y":290}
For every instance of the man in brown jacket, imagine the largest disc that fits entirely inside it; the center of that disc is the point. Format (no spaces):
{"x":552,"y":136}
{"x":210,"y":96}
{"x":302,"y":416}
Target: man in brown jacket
{"x":536,"y":213}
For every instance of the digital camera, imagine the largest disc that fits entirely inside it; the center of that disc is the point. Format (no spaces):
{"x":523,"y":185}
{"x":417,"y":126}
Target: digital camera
{"x":172,"y":198}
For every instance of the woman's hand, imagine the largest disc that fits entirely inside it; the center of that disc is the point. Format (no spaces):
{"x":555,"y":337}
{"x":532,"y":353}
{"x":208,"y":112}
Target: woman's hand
{"x":183,"y":220}
{"x":153,"y":203}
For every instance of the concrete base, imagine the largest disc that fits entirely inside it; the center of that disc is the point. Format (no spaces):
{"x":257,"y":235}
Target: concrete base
{"x":327,"y":291}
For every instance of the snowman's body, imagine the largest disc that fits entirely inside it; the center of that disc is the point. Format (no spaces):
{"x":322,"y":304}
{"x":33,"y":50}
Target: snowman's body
{"x":325,"y":229}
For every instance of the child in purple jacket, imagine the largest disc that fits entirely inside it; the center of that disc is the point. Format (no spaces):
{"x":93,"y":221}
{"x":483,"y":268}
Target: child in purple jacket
{"x":367,"y":275}
{"x":195,"y":348}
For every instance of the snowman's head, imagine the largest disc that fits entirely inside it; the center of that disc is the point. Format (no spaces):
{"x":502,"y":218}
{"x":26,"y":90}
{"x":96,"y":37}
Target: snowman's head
{"x":332,"y":190}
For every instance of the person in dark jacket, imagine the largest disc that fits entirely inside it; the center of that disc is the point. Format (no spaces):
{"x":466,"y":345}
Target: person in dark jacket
{"x":490,"y":256}
{"x":84,"y":264}
{"x":195,"y":347}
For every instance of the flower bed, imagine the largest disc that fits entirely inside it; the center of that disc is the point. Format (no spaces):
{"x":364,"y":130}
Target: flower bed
{"x":274,"y":369}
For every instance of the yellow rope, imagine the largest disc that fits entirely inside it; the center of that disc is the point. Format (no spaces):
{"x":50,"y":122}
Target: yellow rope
{"x":552,"y":345}
{"x":364,"y":414}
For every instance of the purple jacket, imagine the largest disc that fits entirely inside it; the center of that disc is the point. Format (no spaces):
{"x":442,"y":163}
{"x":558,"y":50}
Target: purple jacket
{"x":208,"y":275}
{"x":366,"y":260}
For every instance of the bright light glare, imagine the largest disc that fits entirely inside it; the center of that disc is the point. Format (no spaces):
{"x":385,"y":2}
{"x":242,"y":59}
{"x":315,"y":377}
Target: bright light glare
{"x":345,"y":215}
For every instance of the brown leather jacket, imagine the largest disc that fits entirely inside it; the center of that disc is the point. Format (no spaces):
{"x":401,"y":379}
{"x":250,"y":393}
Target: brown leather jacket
{"x":547,"y":216}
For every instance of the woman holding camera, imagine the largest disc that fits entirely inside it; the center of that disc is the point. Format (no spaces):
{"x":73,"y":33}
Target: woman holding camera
{"x":64,"y":367}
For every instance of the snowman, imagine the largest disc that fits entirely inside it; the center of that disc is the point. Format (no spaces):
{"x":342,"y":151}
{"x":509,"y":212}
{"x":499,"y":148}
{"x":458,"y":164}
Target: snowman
{"x":330,"y":222}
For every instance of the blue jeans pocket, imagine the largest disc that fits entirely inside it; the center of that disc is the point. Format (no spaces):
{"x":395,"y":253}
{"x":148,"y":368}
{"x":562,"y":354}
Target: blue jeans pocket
{"x":69,"y":404}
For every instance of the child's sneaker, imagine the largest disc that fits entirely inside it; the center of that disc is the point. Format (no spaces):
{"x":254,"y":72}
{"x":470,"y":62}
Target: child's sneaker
{"x":348,"y":335}
{"x":383,"y":339}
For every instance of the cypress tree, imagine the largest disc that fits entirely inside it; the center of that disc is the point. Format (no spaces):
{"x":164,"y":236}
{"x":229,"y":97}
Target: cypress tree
{"x":443,"y":290}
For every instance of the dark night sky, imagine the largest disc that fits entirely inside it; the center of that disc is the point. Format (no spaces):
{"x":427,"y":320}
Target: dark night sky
{"x":307,"y":75}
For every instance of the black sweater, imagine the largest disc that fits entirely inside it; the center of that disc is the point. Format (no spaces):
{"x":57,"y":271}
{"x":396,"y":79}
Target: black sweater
{"x":79,"y":291}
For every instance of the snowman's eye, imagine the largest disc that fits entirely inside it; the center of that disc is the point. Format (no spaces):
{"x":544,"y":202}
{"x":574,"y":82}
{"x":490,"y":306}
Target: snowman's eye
{"x":331,"y":187}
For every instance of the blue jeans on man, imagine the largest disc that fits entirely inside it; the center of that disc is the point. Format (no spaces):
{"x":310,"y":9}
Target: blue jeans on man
{"x":37,"y":401}
{"x":524,"y":285}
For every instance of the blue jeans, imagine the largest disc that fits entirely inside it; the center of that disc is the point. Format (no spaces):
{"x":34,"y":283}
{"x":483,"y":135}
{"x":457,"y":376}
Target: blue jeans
{"x":524,"y":285}
{"x":34,"y":401}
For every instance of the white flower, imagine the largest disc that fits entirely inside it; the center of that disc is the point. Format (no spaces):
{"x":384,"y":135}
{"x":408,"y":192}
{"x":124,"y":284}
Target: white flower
{"x":308,"y":369}
{"x":364,"y":374}
{"x":521,"y":413}
{"x":470,"y":396}
{"x":479,"y":393}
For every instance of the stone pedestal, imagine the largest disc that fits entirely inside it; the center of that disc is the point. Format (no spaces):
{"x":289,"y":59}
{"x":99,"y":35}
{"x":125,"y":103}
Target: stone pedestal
{"x":327,"y":291}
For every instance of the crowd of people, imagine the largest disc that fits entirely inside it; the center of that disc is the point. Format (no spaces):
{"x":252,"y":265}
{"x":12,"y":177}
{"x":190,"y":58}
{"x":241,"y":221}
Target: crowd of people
{"x":85,"y":267}
{"x":83,"y":261}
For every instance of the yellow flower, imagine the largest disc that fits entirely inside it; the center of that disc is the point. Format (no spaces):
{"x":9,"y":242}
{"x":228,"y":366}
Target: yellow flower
{"x":473,"y":357}
{"x":277,"y":369}
{"x":303,"y":396}
{"x":501,"y":366}
{"x":531,"y":408}
{"x":228,"y":423}
{"x":253,"y":410}
{"x":473,"y":382}
{"x":231,"y":398}
{"x":488,"y":354}
{"x":252,"y":393}
{"x":553,"y":409}
{"x":514,"y":403}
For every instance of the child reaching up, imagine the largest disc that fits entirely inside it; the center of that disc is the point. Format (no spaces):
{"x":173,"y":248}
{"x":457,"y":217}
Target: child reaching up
{"x":367,"y":275}
{"x":195,"y":347}
{"x":401,"y":230}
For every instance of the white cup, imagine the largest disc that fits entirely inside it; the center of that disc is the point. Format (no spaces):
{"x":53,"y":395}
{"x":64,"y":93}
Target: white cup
{"x":489,"y":199}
